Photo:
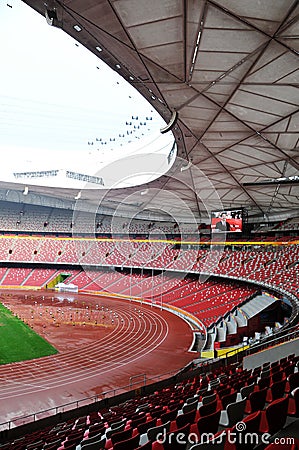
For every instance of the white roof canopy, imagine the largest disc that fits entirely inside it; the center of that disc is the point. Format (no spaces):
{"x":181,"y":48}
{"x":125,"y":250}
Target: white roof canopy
{"x":230,"y":70}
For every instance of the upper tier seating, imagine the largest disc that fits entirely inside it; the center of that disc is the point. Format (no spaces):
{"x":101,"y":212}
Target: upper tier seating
{"x":208,"y":301}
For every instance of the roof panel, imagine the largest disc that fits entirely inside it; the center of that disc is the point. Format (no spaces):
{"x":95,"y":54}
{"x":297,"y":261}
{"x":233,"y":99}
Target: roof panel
{"x":225,"y":41}
{"x":167,"y":56}
{"x":156,"y":33}
{"x":230,"y":70}
{"x":136,"y":12}
{"x":263,"y":14}
{"x":275,"y":69}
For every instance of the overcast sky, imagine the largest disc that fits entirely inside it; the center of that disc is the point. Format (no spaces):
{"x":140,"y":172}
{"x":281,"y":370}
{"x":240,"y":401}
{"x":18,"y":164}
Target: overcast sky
{"x":56,"y":96}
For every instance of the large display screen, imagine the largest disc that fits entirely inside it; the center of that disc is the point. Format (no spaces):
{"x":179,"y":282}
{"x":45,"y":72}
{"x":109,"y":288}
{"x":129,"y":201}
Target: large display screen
{"x":227,"y":221}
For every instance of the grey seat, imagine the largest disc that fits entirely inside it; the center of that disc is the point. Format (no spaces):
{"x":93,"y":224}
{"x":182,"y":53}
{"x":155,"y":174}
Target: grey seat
{"x":117,"y":424}
{"x":95,"y":445}
{"x":189,"y":407}
{"x":153,"y":432}
{"x":144,"y":407}
{"x":265,"y":373}
{"x":112,"y":431}
{"x":233,"y":413}
{"x":95,"y":438}
{"x":51,"y":444}
{"x":245,"y":391}
{"x":208,"y":399}
{"x":214,"y":383}
{"x":192,"y":399}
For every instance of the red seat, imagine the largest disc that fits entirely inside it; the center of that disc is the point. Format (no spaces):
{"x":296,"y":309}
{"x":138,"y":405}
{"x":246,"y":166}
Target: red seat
{"x":293,"y":409}
{"x":143,"y":427}
{"x":276,"y":390}
{"x":275,"y":415}
{"x":253,"y":422}
{"x":229,"y":398}
{"x":178,"y":439}
{"x":256,"y":401}
{"x":170,"y":415}
{"x":209,"y":423}
{"x":209,"y":408}
{"x":98,"y":438}
{"x":289,"y":369}
{"x":121,"y":436}
{"x":264,"y":382}
{"x":183,"y":419}
{"x":94,"y":445}
{"x":137,"y":420}
{"x":293,"y":381}
{"x":128,"y":444}
{"x":224,"y":391}
{"x":277,"y":376}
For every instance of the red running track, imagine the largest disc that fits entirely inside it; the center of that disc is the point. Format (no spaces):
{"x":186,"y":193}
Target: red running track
{"x":111,"y":341}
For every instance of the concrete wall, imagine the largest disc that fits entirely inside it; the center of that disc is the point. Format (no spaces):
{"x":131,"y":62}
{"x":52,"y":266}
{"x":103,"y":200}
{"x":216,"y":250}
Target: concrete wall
{"x":271,"y":354}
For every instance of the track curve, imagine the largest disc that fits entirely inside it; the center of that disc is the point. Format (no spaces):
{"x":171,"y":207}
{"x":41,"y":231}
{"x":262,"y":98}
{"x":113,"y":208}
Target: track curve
{"x":108,"y":342}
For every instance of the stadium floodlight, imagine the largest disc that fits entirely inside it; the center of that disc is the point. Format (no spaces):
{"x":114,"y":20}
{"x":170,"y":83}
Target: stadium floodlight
{"x":51,"y":16}
{"x":171,"y":123}
{"x":186,"y":167}
{"x":274,"y":181}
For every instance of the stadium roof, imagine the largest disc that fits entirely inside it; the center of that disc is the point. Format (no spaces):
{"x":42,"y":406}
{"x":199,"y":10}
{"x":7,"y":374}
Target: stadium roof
{"x":224,"y":75}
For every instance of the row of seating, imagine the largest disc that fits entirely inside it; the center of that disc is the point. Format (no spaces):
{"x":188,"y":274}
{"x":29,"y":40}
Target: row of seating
{"x":33,"y":218}
{"x":36,"y":218}
{"x":204,"y":406}
{"x":141,"y":254}
{"x":207,"y":301}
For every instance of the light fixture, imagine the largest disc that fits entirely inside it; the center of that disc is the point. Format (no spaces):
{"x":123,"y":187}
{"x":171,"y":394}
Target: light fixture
{"x":50,"y":16}
{"x":144,"y":192}
{"x":186,"y":167}
{"x":171,"y":124}
{"x":77,"y":28}
{"x":25,"y":192}
{"x":78,"y":196}
{"x":99,"y":49}
{"x":274,"y":181}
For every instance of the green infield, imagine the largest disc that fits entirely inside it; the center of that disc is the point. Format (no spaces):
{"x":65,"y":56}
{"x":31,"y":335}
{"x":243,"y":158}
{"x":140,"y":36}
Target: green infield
{"x":18,"y":342}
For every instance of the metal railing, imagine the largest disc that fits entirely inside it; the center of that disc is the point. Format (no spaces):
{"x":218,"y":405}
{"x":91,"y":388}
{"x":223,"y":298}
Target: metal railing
{"x":239,"y":353}
{"x":33,"y":417}
{"x":142,"y":375}
{"x":204,"y":366}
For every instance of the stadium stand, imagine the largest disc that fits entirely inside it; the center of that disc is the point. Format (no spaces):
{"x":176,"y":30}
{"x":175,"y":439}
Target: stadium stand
{"x":221,"y":74}
{"x":143,"y":416}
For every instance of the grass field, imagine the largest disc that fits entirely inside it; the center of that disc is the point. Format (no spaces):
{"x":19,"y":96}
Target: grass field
{"x":18,"y":342}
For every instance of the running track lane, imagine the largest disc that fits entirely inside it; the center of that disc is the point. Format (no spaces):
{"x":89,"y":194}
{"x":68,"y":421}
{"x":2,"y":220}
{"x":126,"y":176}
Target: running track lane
{"x":144,"y":340}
